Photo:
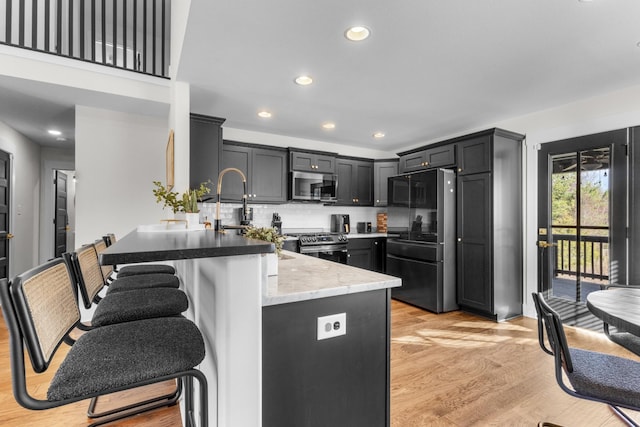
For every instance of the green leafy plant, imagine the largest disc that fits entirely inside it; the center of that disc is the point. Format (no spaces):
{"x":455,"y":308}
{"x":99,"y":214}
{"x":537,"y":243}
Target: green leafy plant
{"x":268,"y":234}
{"x":187,"y":202}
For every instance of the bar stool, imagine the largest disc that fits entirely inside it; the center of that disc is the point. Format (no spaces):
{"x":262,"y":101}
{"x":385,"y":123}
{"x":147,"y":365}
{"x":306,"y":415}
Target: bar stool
{"x":137,"y":269}
{"x":40,"y":309}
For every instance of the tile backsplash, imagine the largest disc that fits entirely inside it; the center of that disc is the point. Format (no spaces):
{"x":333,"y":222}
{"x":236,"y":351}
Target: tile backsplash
{"x":295,"y":216}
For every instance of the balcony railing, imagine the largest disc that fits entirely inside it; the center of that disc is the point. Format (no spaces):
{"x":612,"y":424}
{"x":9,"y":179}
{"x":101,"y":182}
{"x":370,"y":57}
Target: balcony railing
{"x":593,"y":262}
{"x":126,"y":34}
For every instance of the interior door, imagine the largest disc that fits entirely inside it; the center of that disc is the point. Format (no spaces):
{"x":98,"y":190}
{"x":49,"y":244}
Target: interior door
{"x":61,"y":220}
{"x":5,"y":200}
{"x":582,"y":214}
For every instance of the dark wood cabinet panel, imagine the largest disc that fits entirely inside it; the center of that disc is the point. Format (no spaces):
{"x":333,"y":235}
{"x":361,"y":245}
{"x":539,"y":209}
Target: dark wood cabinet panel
{"x":239,"y":157}
{"x":367,"y":253}
{"x":474,"y":155}
{"x":355,"y":182}
{"x":205,"y":150}
{"x":265,"y":170}
{"x":312,"y":162}
{"x":436,"y":157}
{"x":382,"y":170}
{"x":489,"y":224}
{"x":268,"y":176}
{"x":341,"y":381}
{"x":474,"y":242}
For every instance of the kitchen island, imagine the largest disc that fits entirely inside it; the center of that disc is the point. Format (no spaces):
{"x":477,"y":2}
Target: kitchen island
{"x":225,"y":277}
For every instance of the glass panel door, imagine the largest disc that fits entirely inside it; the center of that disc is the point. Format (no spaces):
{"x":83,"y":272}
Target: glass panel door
{"x":579,"y":201}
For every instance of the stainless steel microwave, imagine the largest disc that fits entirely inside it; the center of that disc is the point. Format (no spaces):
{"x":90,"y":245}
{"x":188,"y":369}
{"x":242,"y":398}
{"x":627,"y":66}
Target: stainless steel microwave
{"x":313,"y":186}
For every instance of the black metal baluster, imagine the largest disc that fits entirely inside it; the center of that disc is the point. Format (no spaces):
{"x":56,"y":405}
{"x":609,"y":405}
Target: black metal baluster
{"x":7,"y":25}
{"x":93,"y":30}
{"x":20,"y":23}
{"x":125,"y":11}
{"x":34,"y":24}
{"x":115,"y":33}
{"x":47,"y":24}
{"x":153,"y":50}
{"x":104,"y":32}
{"x":70,"y":23}
{"x":136,"y":59}
{"x":164,"y":18}
{"x":144,"y":36}
{"x":81,"y":40}
{"x":59,"y":27}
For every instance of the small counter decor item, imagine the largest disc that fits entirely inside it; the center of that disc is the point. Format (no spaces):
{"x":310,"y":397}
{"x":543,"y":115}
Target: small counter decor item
{"x":186,"y":204}
{"x":268,"y":234}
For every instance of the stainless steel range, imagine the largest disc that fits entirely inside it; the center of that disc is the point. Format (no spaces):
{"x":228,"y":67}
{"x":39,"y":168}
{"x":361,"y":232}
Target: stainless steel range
{"x":330,"y":246}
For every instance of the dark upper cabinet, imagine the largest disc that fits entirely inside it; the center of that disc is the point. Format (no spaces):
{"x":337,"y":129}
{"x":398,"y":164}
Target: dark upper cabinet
{"x":205,"y":150}
{"x":355,"y":181}
{"x":382,"y":170}
{"x":264,"y":168}
{"x":489,"y":224}
{"x":474,"y":155}
{"x":312,"y":162}
{"x":436,"y":157}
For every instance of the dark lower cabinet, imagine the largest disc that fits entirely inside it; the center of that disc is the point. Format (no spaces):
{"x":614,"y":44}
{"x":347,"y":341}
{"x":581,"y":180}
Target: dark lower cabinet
{"x":341,"y":381}
{"x":367,"y":253}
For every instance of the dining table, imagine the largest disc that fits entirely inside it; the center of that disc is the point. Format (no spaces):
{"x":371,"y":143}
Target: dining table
{"x":619,"y":307}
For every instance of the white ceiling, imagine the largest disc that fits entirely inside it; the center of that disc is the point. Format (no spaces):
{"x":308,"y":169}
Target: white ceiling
{"x":431,"y":68}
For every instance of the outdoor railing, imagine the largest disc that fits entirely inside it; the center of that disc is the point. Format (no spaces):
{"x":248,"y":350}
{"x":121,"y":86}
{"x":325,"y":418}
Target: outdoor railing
{"x":593,"y":262}
{"x":126,"y":34}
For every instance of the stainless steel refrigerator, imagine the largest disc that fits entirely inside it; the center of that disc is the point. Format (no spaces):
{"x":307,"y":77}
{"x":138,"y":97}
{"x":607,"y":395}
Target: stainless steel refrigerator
{"x":421,"y":221}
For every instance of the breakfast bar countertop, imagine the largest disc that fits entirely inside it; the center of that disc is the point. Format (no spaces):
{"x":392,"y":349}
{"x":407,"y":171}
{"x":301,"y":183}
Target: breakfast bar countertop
{"x":302,"y":277}
{"x":140,"y":246}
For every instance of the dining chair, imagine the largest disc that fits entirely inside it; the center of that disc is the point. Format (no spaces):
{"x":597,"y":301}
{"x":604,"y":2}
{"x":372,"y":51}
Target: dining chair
{"x":40,"y":309}
{"x":595,"y":376}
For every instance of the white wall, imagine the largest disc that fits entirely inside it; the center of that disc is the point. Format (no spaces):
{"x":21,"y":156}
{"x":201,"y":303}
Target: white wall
{"x":25,"y":199}
{"x":118,"y":156}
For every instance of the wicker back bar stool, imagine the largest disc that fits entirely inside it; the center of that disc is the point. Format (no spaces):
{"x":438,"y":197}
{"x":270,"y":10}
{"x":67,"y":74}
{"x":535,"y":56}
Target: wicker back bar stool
{"x":40,"y":309}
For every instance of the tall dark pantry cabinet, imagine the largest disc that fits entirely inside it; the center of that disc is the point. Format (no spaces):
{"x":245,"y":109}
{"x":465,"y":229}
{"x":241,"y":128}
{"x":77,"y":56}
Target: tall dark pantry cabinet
{"x":489,"y":223}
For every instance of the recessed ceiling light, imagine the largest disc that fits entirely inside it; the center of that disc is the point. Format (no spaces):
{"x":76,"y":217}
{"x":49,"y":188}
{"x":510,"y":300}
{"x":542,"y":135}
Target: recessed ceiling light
{"x":378,"y":135}
{"x":304,"y":80}
{"x":329,"y":125}
{"x":61,"y":139}
{"x":357,"y":33}
{"x":54,"y":132}
{"x":264,"y":114}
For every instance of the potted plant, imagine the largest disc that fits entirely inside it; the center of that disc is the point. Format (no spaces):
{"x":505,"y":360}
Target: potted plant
{"x":268,"y":234}
{"x":186,"y":203}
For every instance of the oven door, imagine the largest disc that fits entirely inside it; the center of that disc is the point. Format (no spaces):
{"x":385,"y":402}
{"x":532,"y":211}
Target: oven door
{"x":335,"y":253}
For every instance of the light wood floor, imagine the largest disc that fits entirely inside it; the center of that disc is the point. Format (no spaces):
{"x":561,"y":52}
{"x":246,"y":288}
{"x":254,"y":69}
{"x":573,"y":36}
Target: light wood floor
{"x":451,"y":369}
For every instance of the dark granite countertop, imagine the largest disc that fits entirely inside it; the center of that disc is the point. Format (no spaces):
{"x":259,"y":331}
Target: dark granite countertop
{"x":165,"y":246}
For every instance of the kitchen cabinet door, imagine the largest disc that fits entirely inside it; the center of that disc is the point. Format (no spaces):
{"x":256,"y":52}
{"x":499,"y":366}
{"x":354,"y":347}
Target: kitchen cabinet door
{"x":355,"y":182}
{"x":205,"y":150}
{"x":239,"y":157}
{"x":474,"y":155}
{"x":437,"y":157}
{"x":268,"y":176}
{"x":312,"y":162}
{"x":474,"y":254}
{"x":381,"y":173}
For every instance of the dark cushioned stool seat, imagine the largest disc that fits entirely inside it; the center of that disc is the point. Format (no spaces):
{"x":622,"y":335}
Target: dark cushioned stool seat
{"x":144,"y":281}
{"x":134,"y":270}
{"x":120,"y":307}
{"x":117,"y":355}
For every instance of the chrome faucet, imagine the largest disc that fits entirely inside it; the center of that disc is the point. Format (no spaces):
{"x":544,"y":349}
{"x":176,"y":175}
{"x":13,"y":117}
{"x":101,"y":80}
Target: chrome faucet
{"x":217,"y":225}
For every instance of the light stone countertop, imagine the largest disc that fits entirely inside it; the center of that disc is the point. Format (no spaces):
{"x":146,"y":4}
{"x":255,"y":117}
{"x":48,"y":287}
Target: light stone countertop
{"x":302,"y":277}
